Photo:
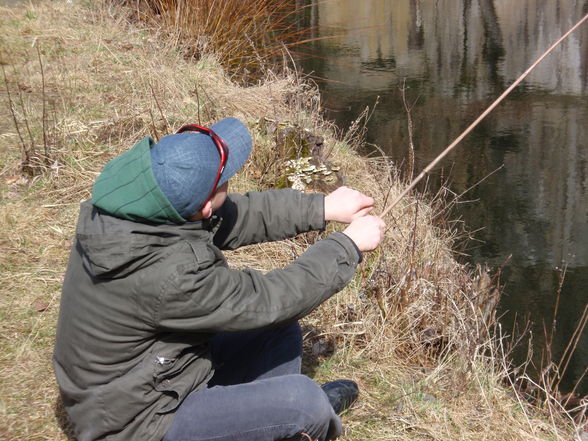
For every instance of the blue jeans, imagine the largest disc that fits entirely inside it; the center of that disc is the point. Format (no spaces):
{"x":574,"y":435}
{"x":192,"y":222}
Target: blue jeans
{"x":257,"y":393}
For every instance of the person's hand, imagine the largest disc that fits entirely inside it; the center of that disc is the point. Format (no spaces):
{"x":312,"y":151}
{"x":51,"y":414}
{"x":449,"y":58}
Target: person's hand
{"x":345,"y":205}
{"x":367,"y":232}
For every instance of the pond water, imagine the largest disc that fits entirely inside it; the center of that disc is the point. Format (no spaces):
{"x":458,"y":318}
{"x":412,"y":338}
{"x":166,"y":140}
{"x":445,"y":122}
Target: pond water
{"x":454,"y":57}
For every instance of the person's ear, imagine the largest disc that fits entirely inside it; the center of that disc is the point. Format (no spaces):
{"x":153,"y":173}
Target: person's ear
{"x":206,"y":210}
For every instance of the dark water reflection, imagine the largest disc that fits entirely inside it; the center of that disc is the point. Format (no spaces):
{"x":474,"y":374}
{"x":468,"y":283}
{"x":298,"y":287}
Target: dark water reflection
{"x":455,"y":57}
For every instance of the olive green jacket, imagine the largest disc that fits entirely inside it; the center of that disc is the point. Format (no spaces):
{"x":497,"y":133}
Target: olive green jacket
{"x":141,"y":301}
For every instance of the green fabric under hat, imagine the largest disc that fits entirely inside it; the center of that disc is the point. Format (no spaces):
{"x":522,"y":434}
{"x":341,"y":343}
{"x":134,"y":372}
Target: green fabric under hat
{"x":127,"y":188}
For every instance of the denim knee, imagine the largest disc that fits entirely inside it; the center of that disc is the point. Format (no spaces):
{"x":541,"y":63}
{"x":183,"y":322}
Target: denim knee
{"x":307,"y":401}
{"x":276,"y":408}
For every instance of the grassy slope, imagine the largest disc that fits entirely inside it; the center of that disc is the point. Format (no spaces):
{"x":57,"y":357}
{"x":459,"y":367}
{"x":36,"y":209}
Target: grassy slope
{"x":412,"y":326}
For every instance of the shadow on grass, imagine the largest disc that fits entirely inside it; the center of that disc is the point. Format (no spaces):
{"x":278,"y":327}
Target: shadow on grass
{"x":316,"y":348}
{"x":63,"y":420}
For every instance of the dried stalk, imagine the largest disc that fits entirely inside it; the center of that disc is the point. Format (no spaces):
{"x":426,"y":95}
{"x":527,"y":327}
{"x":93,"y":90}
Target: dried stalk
{"x":198,"y":104}
{"x":25,"y":118}
{"x":163,"y":118}
{"x":43,"y":98}
{"x":153,"y":126}
{"x":410,"y":164}
{"x":14,"y":118}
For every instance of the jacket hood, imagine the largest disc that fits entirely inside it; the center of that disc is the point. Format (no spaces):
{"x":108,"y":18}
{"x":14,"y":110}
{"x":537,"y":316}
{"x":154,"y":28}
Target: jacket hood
{"x":126,"y":188}
{"x":112,"y":247}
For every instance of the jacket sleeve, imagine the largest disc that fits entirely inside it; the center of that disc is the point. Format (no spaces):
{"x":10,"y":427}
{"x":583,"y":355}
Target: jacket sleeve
{"x":267,"y":216}
{"x":218,"y":299}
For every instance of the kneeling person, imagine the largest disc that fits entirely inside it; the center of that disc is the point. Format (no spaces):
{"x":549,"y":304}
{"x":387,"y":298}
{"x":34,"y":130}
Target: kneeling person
{"x":159,"y":339}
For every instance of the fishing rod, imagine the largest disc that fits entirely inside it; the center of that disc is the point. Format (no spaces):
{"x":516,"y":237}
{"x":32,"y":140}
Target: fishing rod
{"x":480,"y":118}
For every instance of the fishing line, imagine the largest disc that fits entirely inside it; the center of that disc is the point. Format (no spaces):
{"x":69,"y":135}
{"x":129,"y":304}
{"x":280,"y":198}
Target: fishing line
{"x":480,"y":118}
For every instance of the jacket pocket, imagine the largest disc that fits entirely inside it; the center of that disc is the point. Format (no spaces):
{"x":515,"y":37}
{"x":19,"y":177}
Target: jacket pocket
{"x":177,"y":376}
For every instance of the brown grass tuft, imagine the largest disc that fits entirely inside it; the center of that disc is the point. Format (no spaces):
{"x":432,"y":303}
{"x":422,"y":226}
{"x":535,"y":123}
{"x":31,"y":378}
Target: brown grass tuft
{"x":246,"y":36}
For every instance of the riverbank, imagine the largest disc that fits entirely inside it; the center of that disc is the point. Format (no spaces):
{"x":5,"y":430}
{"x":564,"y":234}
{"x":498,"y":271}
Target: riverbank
{"x":414,"y":328}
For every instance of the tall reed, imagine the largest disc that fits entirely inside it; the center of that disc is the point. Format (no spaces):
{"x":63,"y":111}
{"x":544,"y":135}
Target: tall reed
{"x":246,"y":35}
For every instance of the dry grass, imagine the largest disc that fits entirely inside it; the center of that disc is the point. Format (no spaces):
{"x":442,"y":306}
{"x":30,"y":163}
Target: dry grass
{"x":413,"y":328}
{"x":246,"y":36}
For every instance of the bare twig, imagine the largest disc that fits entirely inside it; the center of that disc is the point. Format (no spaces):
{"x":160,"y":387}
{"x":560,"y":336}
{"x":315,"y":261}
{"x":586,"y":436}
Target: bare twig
{"x":198,"y":105}
{"x":31,"y":150}
{"x":163,"y":118}
{"x":549,"y":339}
{"x":13,"y":113}
{"x":572,"y":345}
{"x":153,"y":125}
{"x":407,"y":108}
{"x":457,"y":197}
{"x":43,"y":98}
